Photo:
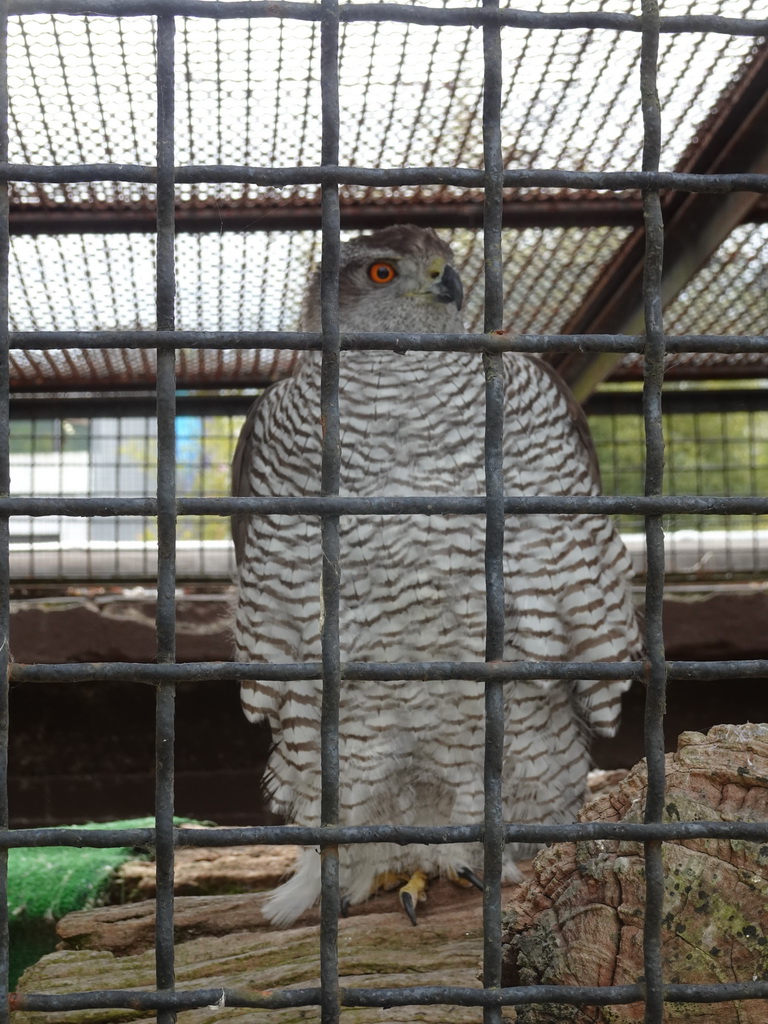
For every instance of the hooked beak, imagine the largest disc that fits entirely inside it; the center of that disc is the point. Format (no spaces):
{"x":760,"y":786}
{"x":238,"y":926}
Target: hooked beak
{"x":448,"y":288}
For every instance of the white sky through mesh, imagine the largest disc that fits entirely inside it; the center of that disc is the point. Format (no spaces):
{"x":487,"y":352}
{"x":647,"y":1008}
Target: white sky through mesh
{"x":83,"y":90}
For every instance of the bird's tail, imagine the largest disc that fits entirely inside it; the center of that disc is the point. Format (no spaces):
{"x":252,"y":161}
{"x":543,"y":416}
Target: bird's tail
{"x":298,"y":894}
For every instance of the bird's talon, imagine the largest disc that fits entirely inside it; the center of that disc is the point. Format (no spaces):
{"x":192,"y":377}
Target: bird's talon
{"x":414,"y":891}
{"x":466,"y":874}
{"x":408,"y":906}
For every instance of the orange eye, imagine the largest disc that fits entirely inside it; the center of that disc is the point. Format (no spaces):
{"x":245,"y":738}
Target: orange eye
{"x":381,"y":272}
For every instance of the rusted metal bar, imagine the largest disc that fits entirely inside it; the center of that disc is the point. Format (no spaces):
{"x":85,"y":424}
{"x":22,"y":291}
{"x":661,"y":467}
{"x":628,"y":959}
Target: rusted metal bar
{"x":5,"y":535}
{"x":393,"y":12}
{"x":269,"y":214}
{"x":590,"y":210}
{"x":653,"y":377}
{"x":165,"y":698}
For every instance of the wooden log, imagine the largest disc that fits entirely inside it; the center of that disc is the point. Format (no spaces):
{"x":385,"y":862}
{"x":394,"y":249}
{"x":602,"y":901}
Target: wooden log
{"x":378,"y":947}
{"x":579,"y":920}
{"x":208,"y":871}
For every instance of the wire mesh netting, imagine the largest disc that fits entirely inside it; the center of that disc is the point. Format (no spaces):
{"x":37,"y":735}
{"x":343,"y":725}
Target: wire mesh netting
{"x":101,"y":457}
{"x":82,"y":90}
{"x":240,"y":282}
{"x":721,"y":447}
{"x":728,"y":295}
{"x":237,"y":282}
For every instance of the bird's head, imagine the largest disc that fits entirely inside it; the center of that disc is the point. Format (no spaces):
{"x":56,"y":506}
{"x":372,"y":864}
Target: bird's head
{"x":398,"y":279}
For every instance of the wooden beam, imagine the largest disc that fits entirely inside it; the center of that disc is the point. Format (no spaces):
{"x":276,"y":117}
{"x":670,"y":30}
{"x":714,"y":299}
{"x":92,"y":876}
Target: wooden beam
{"x":734,"y":140}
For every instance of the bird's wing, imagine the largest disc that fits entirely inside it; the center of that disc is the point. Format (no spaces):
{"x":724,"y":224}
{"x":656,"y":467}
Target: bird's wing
{"x":619,"y":637}
{"x":578,"y":417}
{"x":241,"y":464}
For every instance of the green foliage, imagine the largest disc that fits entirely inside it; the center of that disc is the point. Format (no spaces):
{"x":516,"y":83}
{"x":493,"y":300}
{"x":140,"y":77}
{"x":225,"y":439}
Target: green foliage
{"x":29,"y":437}
{"x":208,"y":476}
{"x":202,"y":470}
{"x":47,"y":882}
{"x":713,"y":453}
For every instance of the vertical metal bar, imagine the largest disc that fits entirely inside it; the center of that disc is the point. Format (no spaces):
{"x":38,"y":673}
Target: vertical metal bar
{"x":166,"y":518}
{"x":493,"y":841}
{"x":654,"y":476}
{"x":5,"y":485}
{"x":331,"y":468}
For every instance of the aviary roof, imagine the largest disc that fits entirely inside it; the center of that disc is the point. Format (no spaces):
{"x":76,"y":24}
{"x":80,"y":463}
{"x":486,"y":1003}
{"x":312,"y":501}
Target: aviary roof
{"x":82,"y":90}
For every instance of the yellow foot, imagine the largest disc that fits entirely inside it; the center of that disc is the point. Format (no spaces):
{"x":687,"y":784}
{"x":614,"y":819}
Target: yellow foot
{"x":387,"y":881}
{"x":415,"y":889}
{"x":464,"y":876}
{"x":411,"y":893}
{"x":414,"y":892}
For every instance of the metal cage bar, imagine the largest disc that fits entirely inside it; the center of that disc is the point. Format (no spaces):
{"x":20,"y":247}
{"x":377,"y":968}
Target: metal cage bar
{"x":5,"y":483}
{"x":425,"y":671}
{"x":417,"y":505}
{"x":330,"y":900}
{"x":166,"y":517}
{"x":653,"y":367}
{"x":329,"y":506}
{"x":309,"y":836}
{"x":300,"y":341}
{"x":478,"y":17}
{"x":460,"y":177}
{"x":495,"y":393}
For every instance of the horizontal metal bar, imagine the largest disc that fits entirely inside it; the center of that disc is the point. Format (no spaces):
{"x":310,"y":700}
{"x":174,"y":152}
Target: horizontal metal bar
{"x":460,"y":177}
{"x":502,"y":341}
{"x":420,"y":671}
{"x":596,"y":210}
{"x":166,"y":1000}
{"x":402,"y":835}
{"x":553,"y":504}
{"x":124,"y":404}
{"x":390,"y":12}
{"x":630,"y":403}
{"x":517,"y":212}
{"x":609,"y":995}
{"x":99,"y":507}
{"x":152,"y":673}
{"x":604,"y":403}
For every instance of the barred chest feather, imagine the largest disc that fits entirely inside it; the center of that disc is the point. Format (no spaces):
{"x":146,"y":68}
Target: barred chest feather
{"x":411,"y":586}
{"x":413,"y":589}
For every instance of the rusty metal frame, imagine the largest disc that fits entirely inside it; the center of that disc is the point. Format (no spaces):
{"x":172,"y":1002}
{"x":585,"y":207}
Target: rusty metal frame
{"x":267,"y":215}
